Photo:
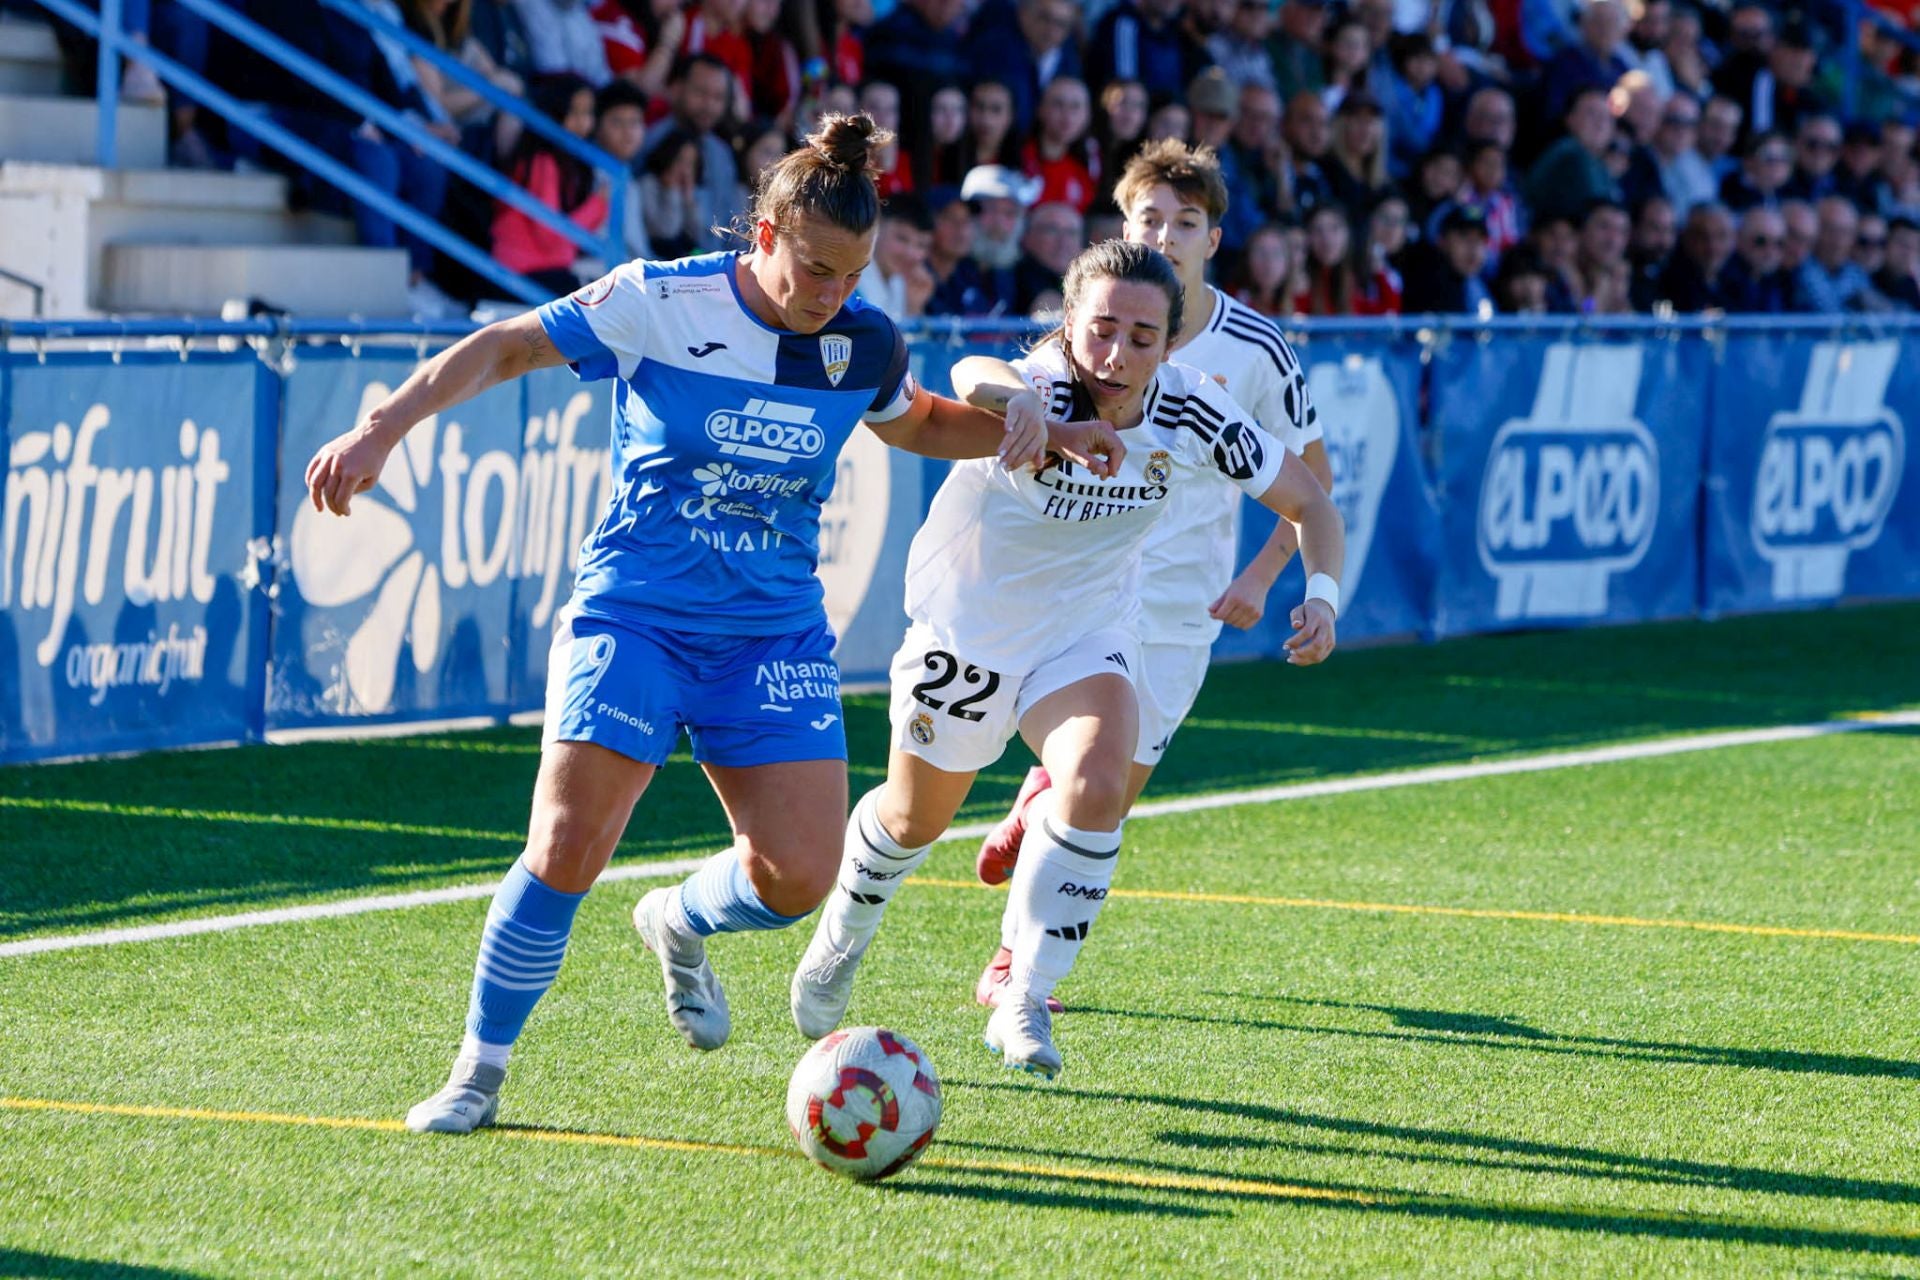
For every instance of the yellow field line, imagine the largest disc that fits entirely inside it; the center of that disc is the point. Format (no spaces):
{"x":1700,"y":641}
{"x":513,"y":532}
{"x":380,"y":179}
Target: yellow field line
{"x":109,"y":809}
{"x":1474,"y":913}
{"x":1106,"y":1177}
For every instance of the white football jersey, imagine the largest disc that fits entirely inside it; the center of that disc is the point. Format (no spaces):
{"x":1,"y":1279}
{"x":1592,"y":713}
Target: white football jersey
{"x":1012,"y":566}
{"x":1190,"y":556}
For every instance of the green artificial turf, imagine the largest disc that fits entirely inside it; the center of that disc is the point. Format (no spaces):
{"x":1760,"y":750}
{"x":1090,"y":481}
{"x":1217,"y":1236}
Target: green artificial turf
{"x":1267,"y":1074}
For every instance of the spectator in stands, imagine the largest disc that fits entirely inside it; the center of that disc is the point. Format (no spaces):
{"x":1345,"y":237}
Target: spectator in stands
{"x":1486,"y":188}
{"x":897,"y":279}
{"x":1170,"y":120}
{"x":1294,"y":48}
{"x":1600,"y":260}
{"x":991,"y":138}
{"x":1063,"y":153}
{"x":619,"y":127}
{"x":1756,"y":278}
{"x":673,"y":198}
{"x":702,"y":88}
{"x":1858,"y":176}
{"x":1520,"y":285}
{"x":918,"y":48}
{"x":1377,"y":16}
{"x":1145,"y":40}
{"x":947,"y":123}
{"x":1555,"y":242}
{"x":1055,"y":235}
{"x":1829,"y":280}
{"x":1816,"y":151}
{"x":496,"y":25}
{"x":1801,"y":226}
{"x":1686,"y":61}
{"x":1764,"y":176}
{"x":1698,"y":279}
{"x":1434,"y":188}
{"x":1594,"y":62}
{"x":1655,"y":233}
{"x":564,"y":39}
{"x":1720,"y":122}
{"x":1213,"y":101}
{"x":557,"y":180}
{"x":1748,"y":42}
{"x":1349,"y":57}
{"x":1024,"y":45}
{"x":1331,"y":280}
{"x":485,"y":130}
{"x":1377,"y":259}
{"x":718,"y":29}
{"x":882,"y":101}
{"x":1443,"y":274}
{"x":1000,"y":197}
{"x":641,"y":41}
{"x":1572,"y":173}
{"x":1644,"y":49}
{"x":1899,"y":170}
{"x":1307,"y":129}
{"x":1490,"y":118}
{"x":1686,"y":179}
{"x":1637,"y":111}
{"x":1413,"y":102}
{"x":1240,"y":48}
{"x":1252,"y":182}
{"x":844,"y":39}
{"x":1355,"y":166}
{"x":1870,"y":245}
{"x":1898,"y":279}
{"x":1778,"y":98}
{"x":1265,"y":279}
{"x":1120,"y":128}
{"x":774,"y":91}
{"x":959,"y":287}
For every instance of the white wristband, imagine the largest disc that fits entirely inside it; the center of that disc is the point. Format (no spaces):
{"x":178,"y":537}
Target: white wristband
{"x":1322,"y":587}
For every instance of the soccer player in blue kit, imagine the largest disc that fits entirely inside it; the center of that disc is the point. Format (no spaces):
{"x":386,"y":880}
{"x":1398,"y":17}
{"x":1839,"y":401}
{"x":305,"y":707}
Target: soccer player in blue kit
{"x":696,"y":603}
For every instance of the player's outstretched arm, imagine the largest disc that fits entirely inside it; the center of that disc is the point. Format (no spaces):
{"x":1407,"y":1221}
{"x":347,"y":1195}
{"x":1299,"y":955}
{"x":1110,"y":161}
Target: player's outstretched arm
{"x":350,"y":462}
{"x":1000,"y":423}
{"x":1297,"y":497}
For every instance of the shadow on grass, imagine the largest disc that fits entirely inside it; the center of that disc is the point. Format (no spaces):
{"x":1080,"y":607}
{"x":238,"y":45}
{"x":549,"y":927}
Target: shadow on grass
{"x":26,"y":1265}
{"x":1370,"y":1199}
{"x":1034,"y":1197}
{"x":1370,"y":710}
{"x":1463,"y":1030}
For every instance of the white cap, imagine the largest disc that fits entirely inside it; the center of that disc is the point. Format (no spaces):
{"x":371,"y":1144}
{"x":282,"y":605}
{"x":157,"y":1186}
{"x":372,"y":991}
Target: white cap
{"x":996,"y":181}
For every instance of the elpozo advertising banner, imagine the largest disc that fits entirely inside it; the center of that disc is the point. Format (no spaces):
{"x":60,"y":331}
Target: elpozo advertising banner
{"x":132,"y":557}
{"x":1810,"y":494}
{"x":1570,"y":472}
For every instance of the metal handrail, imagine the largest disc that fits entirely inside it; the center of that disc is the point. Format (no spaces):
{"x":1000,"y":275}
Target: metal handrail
{"x":38,"y":290}
{"x":252,"y":120}
{"x":613,"y":247}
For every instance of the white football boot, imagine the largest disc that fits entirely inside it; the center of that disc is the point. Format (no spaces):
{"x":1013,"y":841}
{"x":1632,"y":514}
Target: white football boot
{"x":696,"y":1006}
{"x":1021,"y":1032}
{"x":470,"y":1101}
{"x":823,"y":984}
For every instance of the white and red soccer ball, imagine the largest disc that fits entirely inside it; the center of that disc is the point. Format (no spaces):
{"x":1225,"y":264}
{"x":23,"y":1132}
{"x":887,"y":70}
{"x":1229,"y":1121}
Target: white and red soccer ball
{"x":864,"y":1103}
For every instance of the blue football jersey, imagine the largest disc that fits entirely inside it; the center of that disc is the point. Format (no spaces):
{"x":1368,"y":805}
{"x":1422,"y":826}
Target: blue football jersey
{"x":726,"y":433}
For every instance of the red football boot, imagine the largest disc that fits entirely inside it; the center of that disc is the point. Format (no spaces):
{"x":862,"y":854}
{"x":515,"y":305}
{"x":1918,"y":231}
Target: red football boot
{"x":994,"y":979}
{"x":1001,"y":849}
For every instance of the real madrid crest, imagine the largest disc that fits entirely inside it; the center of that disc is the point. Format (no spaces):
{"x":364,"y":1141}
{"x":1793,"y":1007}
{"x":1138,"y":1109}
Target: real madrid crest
{"x":921,"y":727}
{"x":1159,"y":467}
{"x":836,"y":353}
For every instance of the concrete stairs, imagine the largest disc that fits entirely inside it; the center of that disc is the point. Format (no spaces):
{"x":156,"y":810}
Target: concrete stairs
{"x":146,"y":239}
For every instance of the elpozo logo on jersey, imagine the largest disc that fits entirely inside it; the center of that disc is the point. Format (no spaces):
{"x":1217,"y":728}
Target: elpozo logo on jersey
{"x":443,"y":518}
{"x":1829,"y":470}
{"x":767,"y":430}
{"x":1571,"y":493}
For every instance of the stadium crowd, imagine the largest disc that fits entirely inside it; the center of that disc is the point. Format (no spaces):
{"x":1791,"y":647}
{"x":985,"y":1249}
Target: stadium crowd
{"x":1382,"y":156}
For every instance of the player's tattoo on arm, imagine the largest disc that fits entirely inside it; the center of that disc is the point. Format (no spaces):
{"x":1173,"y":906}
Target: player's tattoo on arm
{"x":538,"y":352}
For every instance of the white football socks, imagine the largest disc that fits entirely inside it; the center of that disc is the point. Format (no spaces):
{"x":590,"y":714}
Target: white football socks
{"x":1059,"y":885}
{"x":873,"y":866}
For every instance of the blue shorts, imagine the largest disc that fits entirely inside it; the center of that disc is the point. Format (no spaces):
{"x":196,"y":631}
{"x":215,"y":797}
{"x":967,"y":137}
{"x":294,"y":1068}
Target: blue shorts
{"x":743,"y":700}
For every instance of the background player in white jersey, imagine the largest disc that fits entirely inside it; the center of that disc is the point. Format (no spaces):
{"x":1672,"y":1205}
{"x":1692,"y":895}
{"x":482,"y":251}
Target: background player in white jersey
{"x":696,"y":604}
{"x":1019,"y":587}
{"x":1173,"y":198}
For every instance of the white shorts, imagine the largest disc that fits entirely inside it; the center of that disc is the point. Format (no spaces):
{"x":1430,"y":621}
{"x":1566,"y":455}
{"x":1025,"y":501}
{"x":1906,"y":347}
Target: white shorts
{"x":959,"y":717}
{"x":1170,"y":679}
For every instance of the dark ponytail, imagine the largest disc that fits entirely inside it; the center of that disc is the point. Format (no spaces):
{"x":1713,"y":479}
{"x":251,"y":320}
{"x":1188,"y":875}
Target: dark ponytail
{"x":1125,"y":261}
{"x":830,"y":176}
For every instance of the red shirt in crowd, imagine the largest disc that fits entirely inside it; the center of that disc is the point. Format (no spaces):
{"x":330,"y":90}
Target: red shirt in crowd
{"x":1071,"y":179}
{"x":730,"y":46}
{"x":626,"y":44}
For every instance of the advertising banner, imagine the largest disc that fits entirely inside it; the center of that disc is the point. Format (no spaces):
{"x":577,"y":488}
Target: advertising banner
{"x":131,"y":552}
{"x":1810,"y":494}
{"x":1570,"y":474}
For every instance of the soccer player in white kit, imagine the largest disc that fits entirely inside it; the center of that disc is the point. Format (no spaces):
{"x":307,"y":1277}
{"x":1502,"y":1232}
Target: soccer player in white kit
{"x":1173,"y":197}
{"x":1022,"y":588}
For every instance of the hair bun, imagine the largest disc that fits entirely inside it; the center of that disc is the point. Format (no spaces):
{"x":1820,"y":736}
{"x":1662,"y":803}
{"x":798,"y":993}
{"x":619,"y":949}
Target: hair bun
{"x":847,"y":142}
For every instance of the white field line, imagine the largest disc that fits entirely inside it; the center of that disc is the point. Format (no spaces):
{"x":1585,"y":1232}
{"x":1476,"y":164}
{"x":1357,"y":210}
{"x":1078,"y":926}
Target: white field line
{"x":1187,"y":804}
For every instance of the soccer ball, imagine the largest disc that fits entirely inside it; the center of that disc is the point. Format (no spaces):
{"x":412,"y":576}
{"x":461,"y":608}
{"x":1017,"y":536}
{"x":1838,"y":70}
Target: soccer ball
{"x":864,"y":1103}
